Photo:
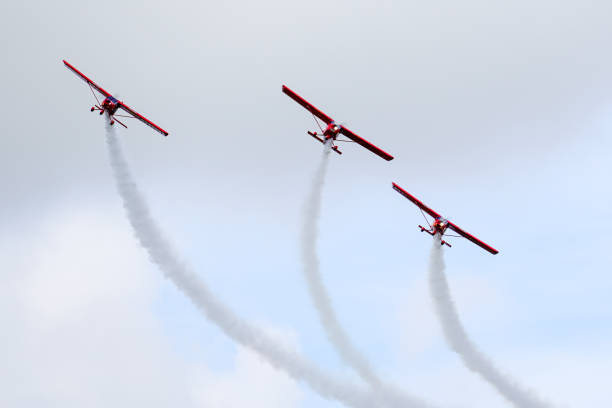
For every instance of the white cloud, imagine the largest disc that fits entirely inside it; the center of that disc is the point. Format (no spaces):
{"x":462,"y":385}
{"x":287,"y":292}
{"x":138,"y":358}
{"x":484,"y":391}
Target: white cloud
{"x":252,"y":382}
{"x":82,"y":262}
{"x":79,"y":327}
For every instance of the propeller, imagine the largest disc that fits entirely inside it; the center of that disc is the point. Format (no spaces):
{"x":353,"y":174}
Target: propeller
{"x":340,"y":125}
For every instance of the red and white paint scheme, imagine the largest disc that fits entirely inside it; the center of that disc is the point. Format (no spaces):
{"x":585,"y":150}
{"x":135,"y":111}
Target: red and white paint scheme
{"x":110,"y":105}
{"x":331,"y":132}
{"x":441,"y":225}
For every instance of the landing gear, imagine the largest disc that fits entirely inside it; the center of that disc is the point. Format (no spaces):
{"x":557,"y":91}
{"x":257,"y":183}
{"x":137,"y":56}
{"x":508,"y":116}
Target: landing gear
{"x":112,"y":122}
{"x":92,"y":108}
{"x":101,"y":112}
{"x":423,"y":229}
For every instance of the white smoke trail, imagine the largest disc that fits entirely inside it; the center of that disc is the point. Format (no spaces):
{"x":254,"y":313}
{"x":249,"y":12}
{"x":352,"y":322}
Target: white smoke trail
{"x":320,"y":297}
{"x":161,"y":253}
{"x":318,"y":292}
{"x":460,"y":342}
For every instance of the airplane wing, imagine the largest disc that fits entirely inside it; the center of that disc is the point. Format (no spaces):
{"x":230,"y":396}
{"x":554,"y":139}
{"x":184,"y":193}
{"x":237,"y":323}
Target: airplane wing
{"x":365,"y":144}
{"x":472,"y":238}
{"x":141,"y":118}
{"x":311,"y":108}
{"x":84,"y":78}
{"x":415,"y":201}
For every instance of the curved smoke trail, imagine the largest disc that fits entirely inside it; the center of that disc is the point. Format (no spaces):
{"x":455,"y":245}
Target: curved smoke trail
{"x":316,"y":288}
{"x":322,"y":302}
{"x":459,"y":341}
{"x":161,"y":253}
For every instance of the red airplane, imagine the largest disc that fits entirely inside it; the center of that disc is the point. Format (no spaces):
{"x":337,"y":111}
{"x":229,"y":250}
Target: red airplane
{"x":110,"y":105}
{"x":440,"y":225}
{"x":332,"y":130}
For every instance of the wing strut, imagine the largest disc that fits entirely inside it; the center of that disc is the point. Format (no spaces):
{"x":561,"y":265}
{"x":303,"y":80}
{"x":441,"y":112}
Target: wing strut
{"x":93,"y":93}
{"x":318,"y":124}
{"x":426,"y":220}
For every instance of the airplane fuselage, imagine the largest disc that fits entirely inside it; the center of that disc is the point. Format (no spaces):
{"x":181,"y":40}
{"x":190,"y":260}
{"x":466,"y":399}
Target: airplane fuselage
{"x":439,"y":226}
{"x":110,"y":105}
{"x":331,"y":131}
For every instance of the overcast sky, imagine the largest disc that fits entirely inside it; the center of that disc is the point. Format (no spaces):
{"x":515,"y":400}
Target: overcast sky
{"x":498,"y":114}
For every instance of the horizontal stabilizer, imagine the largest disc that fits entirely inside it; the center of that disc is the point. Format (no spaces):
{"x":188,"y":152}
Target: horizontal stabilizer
{"x":334,"y":148}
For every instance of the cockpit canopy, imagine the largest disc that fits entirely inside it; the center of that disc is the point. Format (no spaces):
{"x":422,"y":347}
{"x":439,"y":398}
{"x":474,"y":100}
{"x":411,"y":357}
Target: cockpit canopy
{"x":334,"y":127}
{"x":441,"y":221}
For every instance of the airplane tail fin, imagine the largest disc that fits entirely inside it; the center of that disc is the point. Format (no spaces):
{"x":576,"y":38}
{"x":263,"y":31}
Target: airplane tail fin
{"x":114,"y":119}
{"x":314,"y":134}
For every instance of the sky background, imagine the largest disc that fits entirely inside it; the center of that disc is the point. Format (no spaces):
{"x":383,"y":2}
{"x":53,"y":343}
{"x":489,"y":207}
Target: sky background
{"x":499,"y":117}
